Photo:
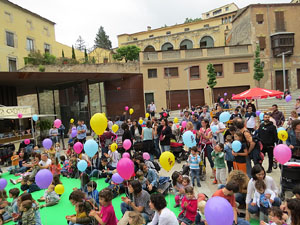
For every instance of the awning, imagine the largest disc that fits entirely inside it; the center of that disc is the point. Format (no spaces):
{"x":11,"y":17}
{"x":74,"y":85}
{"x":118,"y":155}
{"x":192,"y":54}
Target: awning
{"x":257,"y":93}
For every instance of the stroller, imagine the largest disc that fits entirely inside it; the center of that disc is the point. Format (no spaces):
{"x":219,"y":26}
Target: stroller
{"x":178,"y":151}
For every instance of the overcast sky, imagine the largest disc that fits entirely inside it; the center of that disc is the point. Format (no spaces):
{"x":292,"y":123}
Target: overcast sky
{"x":77,"y":17}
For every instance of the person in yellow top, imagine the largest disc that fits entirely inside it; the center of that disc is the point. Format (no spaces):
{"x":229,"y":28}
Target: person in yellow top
{"x":80,"y":212}
{"x":14,"y":162}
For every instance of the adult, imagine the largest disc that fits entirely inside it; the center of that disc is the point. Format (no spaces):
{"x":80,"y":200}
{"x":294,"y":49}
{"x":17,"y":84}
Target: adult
{"x":219,"y":111}
{"x":156,"y":137}
{"x":205,"y":114}
{"x":123,"y":117}
{"x":45,"y":161}
{"x":186,"y":116}
{"x":230,"y":131}
{"x":236,"y":114}
{"x":252,"y":105}
{"x":136,"y":131}
{"x":259,"y":173}
{"x":293,"y":209}
{"x":250,"y":119}
{"x":140,"y":201}
{"x":294,"y":116}
{"x":277,"y":115}
{"x":267,"y":133}
{"x":152,"y":109}
{"x":147,"y":136}
{"x":293,"y":140}
{"x":61,"y":132}
{"x":106,"y":139}
{"x":297,"y":106}
{"x":163,"y":215}
{"x":81,"y":131}
{"x":109,"y":123}
{"x":126,"y":134}
{"x":164,"y":132}
{"x":227,"y":104}
{"x":151,"y":177}
{"x":218,"y":136}
{"x":196,"y":123}
{"x":228,"y":193}
{"x":286,"y":93}
{"x":53,"y":134}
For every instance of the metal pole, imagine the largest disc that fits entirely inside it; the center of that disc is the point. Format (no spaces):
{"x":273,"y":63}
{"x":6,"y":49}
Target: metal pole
{"x":188,"y":84}
{"x":283,"y":71}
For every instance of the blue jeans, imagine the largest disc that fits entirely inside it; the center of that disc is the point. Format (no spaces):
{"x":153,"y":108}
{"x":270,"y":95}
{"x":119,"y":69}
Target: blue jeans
{"x":248,"y":166}
{"x":255,"y":209}
{"x":6,"y":216}
{"x":124,"y":208}
{"x":208,"y":154}
{"x":156,"y":146}
{"x":240,"y":198}
{"x":165,"y":148}
{"x":241,"y":221}
{"x":195,"y":174}
{"x":71,"y":223}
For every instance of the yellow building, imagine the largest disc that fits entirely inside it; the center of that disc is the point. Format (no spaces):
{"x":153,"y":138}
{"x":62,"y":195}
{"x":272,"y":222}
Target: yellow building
{"x":295,"y":1}
{"x":102,"y":55}
{"x":23,"y":31}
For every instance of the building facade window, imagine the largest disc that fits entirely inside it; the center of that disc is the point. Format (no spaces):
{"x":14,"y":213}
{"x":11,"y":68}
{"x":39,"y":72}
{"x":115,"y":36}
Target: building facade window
{"x":260,"y":18}
{"x":135,"y":39}
{"x":8,"y":17}
{"x":219,"y":70}
{"x":10,"y":39}
{"x":280,"y":24}
{"x":168,"y":32}
{"x":241,"y":67}
{"x":226,"y":20}
{"x":151,"y":35}
{"x":167,"y":47}
{"x":229,"y":19}
{"x":171,"y":72}
{"x":152,"y":73}
{"x":206,"y":25}
{"x":217,"y":12}
{"x":186,"y":29}
{"x":149,"y":48}
{"x":12,"y":64}
{"x":262,"y":43}
{"x":206,"y":42}
{"x":30,"y":44}
{"x":227,"y":9}
{"x":186,"y":44}
{"x":194,"y":72}
{"x":47,"y":48}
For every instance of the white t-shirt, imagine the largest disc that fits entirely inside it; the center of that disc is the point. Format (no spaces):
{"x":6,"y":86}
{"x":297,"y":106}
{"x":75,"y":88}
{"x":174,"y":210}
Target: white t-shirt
{"x":166,"y":217}
{"x":47,"y":163}
{"x":251,"y":121}
{"x":115,"y":157}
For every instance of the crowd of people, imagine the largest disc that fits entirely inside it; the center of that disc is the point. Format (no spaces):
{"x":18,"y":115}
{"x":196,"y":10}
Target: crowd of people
{"x":239,"y":175}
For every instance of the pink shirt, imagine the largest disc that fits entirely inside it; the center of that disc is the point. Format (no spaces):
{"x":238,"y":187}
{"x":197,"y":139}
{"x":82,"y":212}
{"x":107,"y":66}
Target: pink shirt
{"x":108,"y":215}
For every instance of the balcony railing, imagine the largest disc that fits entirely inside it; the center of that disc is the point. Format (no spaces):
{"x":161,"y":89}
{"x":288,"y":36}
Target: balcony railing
{"x":171,"y":54}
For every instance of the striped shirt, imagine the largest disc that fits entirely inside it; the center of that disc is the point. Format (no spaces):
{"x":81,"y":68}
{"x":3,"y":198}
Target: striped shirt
{"x":194,"y":162}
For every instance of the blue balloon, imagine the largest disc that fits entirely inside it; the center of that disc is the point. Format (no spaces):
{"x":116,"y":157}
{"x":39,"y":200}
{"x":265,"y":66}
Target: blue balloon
{"x":236,"y":146}
{"x":189,"y":139}
{"x":35,"y":118}
{"x":82,"y":165}
{"x":261,"y":116}
{"x":214,"y":128}
{"x":91,"y":148}
{"x":224,"y":117}
{"x":279,"y":129}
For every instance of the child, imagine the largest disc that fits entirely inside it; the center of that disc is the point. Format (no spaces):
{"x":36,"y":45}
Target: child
{"x":114,"y":158}
{"x":73,"y":172}
{"x":51,"y":197}
{"x":36,"y":149}
{"x":275,"y":217}
{"x":80,"y":209}
{"x":261,"y":200}
{"x":135,"y":218}
{"x":66,"y":165}
{"x":296,"y":191}
{"x":219,"y":162}
{"x":51,"y":152}
{"x":200,"y":218}
{"x":189,"y":207}
{"x":13,"y":207}
{"x":57,"y":149}
{"x":84,"y":180}
{"x":194,"y":161}
{"x":56,"y":180}
{"x":185,"y":183}
{"x":107,"y":214}
{"x":24,"y":185}
{"x":55,"y":167}
{"x":228,"y":153}
{"x":92,"y":191}
{"x":28,"y":215}
{"x":14,"y":163}
{"x":70,"y":151}
{"x":239,"y":162}
{"x":32,"y":187}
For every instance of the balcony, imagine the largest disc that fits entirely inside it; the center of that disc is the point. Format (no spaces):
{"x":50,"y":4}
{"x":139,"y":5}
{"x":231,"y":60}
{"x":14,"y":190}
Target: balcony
{"x":282,"y":42}
{"x":238,"y":51}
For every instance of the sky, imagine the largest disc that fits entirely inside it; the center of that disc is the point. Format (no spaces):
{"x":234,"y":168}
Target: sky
{"x":77,"y":17}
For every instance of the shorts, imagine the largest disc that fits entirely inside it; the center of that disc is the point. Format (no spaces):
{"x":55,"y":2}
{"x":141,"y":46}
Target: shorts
{"x":240,"y":166}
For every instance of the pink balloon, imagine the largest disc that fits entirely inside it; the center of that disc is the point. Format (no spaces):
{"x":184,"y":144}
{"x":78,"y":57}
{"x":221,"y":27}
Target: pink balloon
{"x":126,"y":155}
{"x":146,"y":156}
{"x":78,"y":146}
{"x":222,"y":99}
{"x":126,"y":108}
{"x":282,"y":153}
{"x":57,"y":123}
{"x":20,"y":115}
{"x":233,"y":95}
{"x":193,"y":113}
{"x":178,"y":105}
{"x":183,"y":124}
{"x":125,"y":168}
{"x":27,"y":141}
{"x":126,"y":144}
{"x":165,"y":114}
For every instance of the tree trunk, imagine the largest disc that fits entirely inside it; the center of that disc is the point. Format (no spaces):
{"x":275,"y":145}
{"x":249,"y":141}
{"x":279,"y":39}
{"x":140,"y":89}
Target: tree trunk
{"x":212,"y":96}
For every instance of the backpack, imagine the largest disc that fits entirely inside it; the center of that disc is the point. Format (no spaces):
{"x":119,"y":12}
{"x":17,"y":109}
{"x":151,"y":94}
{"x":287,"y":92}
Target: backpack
{"x":156,"y":165}
{"x":256,"y":154}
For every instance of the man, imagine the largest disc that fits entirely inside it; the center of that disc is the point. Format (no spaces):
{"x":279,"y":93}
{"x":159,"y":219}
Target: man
{"x":81,"y":131}
{"x":236,"y":114}
{"x":186,"y":117}
{"x":228,"y":193}
{"x":268,"y":135}
{"x":152,"y":109}
{"x":219,"y":111}
{"x":278,"y":116}
{"x":45,"y":161}
{"x":61,"y":131}
{"x":250,"y":119}
{"x":205,"y":114}
{"x":218,"y":135}
{"x":196,"y":122}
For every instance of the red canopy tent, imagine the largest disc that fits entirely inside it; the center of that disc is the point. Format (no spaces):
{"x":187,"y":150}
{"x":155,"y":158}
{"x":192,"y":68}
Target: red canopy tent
{"x":257,"y":93}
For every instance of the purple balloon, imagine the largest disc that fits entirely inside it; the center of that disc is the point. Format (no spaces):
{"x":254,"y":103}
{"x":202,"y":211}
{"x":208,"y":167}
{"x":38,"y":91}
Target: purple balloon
{"x":258,"y":112}
{"x":3,"y":183}
{"x":74,"y":133}
{"x":43,"y":178}
{"x":221,"y":207}
{"x":225,"y":94}
{"x":288,"y":98}
{"x":74,"y":128}
{"x":117,"y":178}
{"x":47,"y":143}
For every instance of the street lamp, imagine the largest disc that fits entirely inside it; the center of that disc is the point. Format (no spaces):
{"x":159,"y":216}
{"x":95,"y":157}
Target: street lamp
{"x":188,"y":84}
{"x":283,"y":66}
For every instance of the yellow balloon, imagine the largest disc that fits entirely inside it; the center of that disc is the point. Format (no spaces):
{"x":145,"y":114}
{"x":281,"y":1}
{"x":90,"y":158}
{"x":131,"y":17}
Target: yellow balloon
{"x":175,"y":120}
{"x":98,"y":123}
{"x":167,"y":160}
{"x":131,"y":111}
{"x":113,"y":147}
{"x":283,"y":135}
{"x":59,"y":189}
{"x":115,"y":128}
{"x":141,"y":122}
{"x":147,"y":115}
{"x":72,"y":120}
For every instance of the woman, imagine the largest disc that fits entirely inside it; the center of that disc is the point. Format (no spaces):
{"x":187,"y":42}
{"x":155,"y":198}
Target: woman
{"x":147,"y":135}
{"x":293,"y":140}
{"x":293,"y":209}
{"x":106,"y":139}
{"x":164,"y":132}
{"x":294,"y":116}
{"x":163,"y":215}
{"x":53,"y":134}
{"x":259,"y":173}
{"x":297,"y":106}
{"x":136,"y":131}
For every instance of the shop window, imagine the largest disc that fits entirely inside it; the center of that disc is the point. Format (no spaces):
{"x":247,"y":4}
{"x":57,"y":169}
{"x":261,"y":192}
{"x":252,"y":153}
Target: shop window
{"x":219,"y":70}
{"x":172,"y":72}
{"x":194,"y":72}
{"x":10,"y":39}
{"x":152,"y":73}
{"x":241,"y":68}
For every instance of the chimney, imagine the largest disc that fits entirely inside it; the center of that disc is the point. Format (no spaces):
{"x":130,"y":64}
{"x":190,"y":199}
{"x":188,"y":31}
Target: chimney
{"x":148,"y":28}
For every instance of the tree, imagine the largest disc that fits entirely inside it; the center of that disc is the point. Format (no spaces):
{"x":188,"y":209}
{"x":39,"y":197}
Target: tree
{"x":258,"y":69}
{"x":129,"y":53}
{"x":73,"y":53}
{"x":102,"y":40}
{"x":190,"y":20}
{"x":86,"y":58}
{"x":212,"y":78}
{"x":62,"y":54}
{"x":80,"y":44}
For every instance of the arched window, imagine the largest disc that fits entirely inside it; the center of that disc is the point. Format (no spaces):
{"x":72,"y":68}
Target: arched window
{"x":167,"y":47}
{"x":186,"y":44}
{"x":206,"y":42}
{"x":149,"y":48}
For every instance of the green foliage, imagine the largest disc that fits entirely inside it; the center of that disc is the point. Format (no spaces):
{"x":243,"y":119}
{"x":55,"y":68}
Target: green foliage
{"x":73,"y":53}
{"x":129,"y":53}
{"x":80,"y":44}
{"x":93,"y":60}
{"x":49,"y":59}
{"x":86,"y":58}
{"x":62,"y":54}
{"x":44,"y":124}
{"x":102,"y":40}
{"x":64,"y":61}
{"x":258,"y":69}
{"x":36,"y":58}
{"x":42,"y":68}
{"x":212,"y":76}
{"x":190,"y":20}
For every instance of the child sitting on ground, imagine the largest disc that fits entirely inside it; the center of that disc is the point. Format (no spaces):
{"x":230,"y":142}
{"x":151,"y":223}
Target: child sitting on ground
{"x":92,"y":191}
{"x":296,"y":191}
{"x":219,"y":162}
{"x":13,"y":206}
{"x":142,"y":179}
{"x":50,"y":196}
{"x":73,"y":171}
{"x":14,"y":163}
{"x":81,"y":209}
{"x":36,"y":149}
{"x":275,"y":217}
{"x":32,"y":187}
{"x":107,"y":213}
{"x":185,"y":183}
{"x":200,"y":218}
{"x":260,"y":199}
{"x":189,"y":207}
{"x":228,"y":153}
{"x":66,"y":165}
{"x":135,"y":218}
{"x":55,"y":167}
{"x":84,"y":180}
{"x":51,"y":152}
{"x":28,"y":215}
{"x":69,"y":151}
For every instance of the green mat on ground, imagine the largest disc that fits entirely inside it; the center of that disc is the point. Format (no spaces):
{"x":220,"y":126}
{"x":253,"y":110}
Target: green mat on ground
{"x":56,"y":214}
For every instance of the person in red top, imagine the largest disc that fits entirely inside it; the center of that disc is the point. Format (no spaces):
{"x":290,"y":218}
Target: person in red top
{"x":228,"y":193}
{"x":55,"y":167}
{"x":107,"y":215}
{"x":189,"y":207}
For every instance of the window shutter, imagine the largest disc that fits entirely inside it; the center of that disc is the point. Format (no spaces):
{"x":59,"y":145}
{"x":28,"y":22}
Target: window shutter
{"x":279,"y":17}
{"x":262,"y":43}
{"x":194,"y":72}
{"x":259,"y":18}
